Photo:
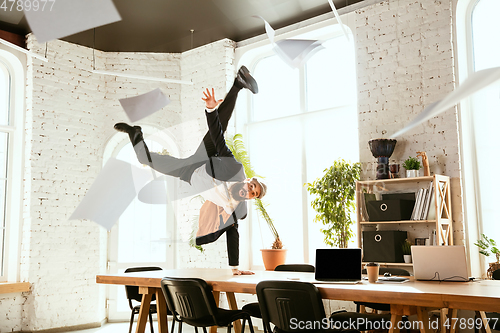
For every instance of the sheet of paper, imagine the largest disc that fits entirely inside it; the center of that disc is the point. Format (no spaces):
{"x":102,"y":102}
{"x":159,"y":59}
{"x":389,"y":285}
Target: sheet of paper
{"x":338,"y":18}
{"x":472,"y":84}
{"x":295,"y":52}
{"x":139,"y":107}
{"x":113,"y":190}
{"x":56,"y":19}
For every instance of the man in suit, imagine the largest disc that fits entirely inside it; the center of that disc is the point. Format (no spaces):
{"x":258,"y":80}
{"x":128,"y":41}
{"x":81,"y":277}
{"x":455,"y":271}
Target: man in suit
{"x":212,"y":171}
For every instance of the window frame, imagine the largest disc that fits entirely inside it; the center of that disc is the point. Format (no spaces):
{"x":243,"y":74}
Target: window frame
{"x":251,"y":58}
{"x":15,"y":170}
{"x":469,"y":163}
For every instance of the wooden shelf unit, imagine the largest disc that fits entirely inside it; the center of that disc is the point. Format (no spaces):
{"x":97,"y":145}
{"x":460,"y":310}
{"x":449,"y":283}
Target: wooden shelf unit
{"x":441,"y":185}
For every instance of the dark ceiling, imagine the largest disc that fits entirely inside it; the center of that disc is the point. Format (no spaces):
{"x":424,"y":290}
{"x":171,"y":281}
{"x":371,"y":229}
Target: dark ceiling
{"x":165,"y":25}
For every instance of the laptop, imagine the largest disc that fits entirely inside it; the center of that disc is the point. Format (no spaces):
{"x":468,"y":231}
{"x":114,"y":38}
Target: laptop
{"x":439,"y":263}
{"x":338,"y":266}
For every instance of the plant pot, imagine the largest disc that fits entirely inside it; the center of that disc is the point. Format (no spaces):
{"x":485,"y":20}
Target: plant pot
{"x":412,"y":173}
{"x":273,"y":258}
{"x":493,"y":267}
{"x":407,"y":258}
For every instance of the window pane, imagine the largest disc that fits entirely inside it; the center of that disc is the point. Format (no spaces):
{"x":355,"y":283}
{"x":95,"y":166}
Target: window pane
{"x":278,"y":90}
{"x":323,"y":146}
{"x":486,"y":104}
{"x":4,"y":95}
{"x":331,"y":76}
{"x":486,"y":43}
{"x":142,"y":229}
{"x":275,"y":150}
{"x":4,"y":141}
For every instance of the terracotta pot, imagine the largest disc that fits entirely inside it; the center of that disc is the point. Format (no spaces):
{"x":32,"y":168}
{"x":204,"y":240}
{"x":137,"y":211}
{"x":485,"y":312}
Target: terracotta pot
{"x":493,"y":267}
{"x":273,"y":258}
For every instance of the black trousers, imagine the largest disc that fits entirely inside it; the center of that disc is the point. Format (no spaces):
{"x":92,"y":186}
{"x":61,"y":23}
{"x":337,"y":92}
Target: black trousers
{"x":183,"y":168}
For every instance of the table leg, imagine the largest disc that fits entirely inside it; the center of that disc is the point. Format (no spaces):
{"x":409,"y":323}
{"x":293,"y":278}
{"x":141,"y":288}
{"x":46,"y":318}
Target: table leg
{"x":485,"y":327}
{"x":216,"y":294}
{"x":452,"y":320}
{"x":423,"y":318}
{"x":161,"y":312}
{"x":234,"y":306}
{"x":395,"y":319}
{"x":147,"y":294}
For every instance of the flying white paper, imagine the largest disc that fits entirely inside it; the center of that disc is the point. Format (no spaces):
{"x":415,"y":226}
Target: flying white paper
{"x":295,"y":52}
{"x":472,"y":84}
{"x":113,"y":190}
{"x":56,"y":19}
{"x":141,"y":106}
{"x":338,"y":18}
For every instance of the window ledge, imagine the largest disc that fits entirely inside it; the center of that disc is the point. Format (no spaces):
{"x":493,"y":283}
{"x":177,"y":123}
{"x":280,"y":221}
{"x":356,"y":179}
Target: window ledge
{"x":14,"y":287}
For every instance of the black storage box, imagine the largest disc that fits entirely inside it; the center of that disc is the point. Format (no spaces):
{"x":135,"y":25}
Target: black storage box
{"x":389,"y":210}
{"x":383,"y":246}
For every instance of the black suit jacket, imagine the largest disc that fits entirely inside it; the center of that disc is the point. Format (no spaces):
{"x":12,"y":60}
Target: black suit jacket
{"x":223,"y":166}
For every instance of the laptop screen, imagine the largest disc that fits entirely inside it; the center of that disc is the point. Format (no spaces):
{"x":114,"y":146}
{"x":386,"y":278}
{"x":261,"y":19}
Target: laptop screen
{"x":338,"y":264}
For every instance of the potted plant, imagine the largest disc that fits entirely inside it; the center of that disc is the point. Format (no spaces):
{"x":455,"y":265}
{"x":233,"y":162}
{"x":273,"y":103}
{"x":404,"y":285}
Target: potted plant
{"x":406,"y":247}
{"x":489,"y":246}
{"x":335,"y":201}
{"x":412,"y":166}
{"x":276,"y":255}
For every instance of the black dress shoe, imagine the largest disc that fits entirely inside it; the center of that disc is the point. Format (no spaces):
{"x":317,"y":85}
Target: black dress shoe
{"x":126,"y":128}
{"x":246,"y":80}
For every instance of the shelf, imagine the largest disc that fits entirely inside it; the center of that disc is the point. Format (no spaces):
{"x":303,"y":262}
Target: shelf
{"x":407,"y":222}
{"x":392,"y":264}
{"x":397,"y":180}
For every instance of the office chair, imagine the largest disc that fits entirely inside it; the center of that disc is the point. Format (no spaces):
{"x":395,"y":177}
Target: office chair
{"x":380,"y":306}
{"x":253,"y":309}
{"x":192,"y":302}
{"x":285,"y":304}
{"x":133,"y":295}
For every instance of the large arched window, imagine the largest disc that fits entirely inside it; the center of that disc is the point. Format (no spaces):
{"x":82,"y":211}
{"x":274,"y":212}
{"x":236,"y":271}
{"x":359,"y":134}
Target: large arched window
{"x":479,"y":48}
{"x":11,"y":156}
{"x":145,"y":233}
{"x":298,"y":124}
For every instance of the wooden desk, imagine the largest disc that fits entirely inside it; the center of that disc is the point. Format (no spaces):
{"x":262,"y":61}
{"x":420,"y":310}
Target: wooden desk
{"x":413,"y":297}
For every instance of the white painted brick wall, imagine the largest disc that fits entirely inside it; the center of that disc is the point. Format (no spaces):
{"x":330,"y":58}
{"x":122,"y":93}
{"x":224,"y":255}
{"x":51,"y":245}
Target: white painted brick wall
{"x":404,"y":63}
{"x":70,"y":117}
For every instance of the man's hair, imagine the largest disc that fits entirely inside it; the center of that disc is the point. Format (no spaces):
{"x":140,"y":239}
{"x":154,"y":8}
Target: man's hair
{"x":263,"y":187}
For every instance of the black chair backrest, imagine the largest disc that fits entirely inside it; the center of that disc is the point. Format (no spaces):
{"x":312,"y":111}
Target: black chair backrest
{"x":283,"y":302}
{"x":392,"y":271}
{"x":191,"y":299}
{"x":133,"y":291}
{"x":295,"y":268}
{"x":496,"y":274}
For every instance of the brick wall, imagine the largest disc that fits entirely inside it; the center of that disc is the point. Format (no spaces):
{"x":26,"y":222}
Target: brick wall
{"x":405,"y":62}
{"x":69,"y":120}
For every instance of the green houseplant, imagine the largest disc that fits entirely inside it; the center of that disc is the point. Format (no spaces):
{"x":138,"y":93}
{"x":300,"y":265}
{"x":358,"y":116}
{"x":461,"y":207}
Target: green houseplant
{"x":489,"y":247}
{"x":335,"y":201}
{"x":406,"y":248}
{"x":412,"y":166}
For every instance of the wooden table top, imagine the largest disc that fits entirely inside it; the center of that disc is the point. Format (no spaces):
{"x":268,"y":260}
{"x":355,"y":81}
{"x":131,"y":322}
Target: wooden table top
{"x":481,"y":295}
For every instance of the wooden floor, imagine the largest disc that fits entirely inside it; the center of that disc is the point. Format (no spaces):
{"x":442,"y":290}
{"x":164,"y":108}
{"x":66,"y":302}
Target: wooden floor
{"x":123,"y":328}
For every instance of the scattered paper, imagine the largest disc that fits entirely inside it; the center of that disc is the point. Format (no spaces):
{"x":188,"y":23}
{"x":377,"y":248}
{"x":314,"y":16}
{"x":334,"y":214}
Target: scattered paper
{"x":295,"y":52}
{"x":113,"y":190}
{"x":56,"y":19}
{"x":139,"y":107}
{"x":338,"y":18}
{"x":472,"y":84}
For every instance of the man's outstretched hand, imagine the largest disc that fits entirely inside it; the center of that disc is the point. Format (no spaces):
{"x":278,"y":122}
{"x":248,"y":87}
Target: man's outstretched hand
{"x":209,"y":99}
{"x":238,"y":272}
